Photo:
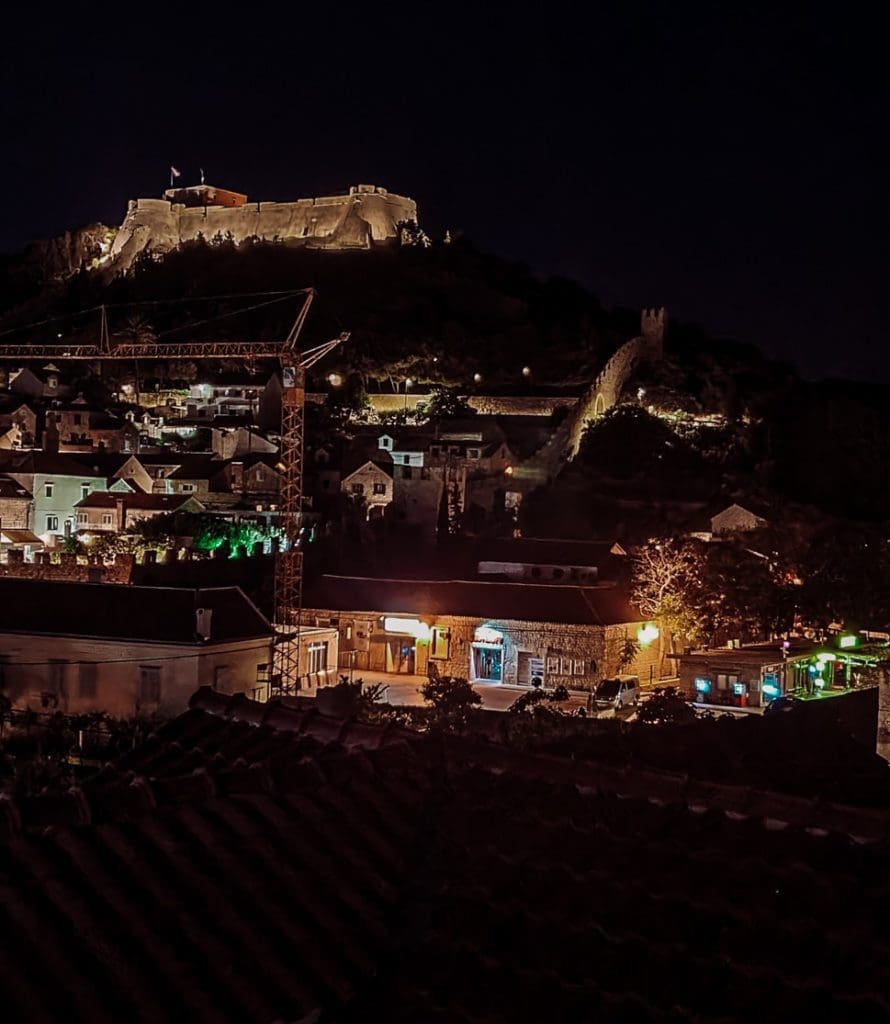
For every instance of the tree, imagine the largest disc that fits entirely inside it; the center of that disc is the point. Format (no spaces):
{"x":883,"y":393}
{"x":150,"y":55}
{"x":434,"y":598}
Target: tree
{"x":666,"y":586}
{"x":452,"y":700}
{"x":445,"y":404}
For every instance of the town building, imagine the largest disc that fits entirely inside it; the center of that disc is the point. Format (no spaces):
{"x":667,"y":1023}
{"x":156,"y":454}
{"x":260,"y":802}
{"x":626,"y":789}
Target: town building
{"x":371,"y":483}
{"x":56,"y":483}
{"x":521,"y":634}
{"x":109,"y":512}
{"x":754,"y":674}
{"x":16,"y":503}
{"x":736,"y":519}
{"x":126,"y":650}
{"x":550,"y":561}
{"x":77,"y":428}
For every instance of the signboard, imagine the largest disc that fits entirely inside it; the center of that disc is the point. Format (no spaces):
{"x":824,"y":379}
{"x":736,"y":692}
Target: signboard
{"x":288,"y":376}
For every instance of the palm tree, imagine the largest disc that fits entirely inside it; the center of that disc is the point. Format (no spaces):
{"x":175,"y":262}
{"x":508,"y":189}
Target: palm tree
{"x":136,"y":330}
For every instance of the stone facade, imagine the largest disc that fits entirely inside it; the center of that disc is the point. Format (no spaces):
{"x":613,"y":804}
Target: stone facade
{"x":883,"y":744}
{"x":575,"y":656}
{"x":70,"y":568}
{"x":367,"y":216}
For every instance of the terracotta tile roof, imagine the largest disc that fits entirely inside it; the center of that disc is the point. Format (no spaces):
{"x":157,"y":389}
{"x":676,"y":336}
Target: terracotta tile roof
{"x":118,"y":612}
{"x":524,"y":602}
{"x":135,"y":500}
{"x":263,"y":863}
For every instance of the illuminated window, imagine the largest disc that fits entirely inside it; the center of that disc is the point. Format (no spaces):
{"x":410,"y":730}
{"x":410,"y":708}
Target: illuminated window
{"x":317,"y":656}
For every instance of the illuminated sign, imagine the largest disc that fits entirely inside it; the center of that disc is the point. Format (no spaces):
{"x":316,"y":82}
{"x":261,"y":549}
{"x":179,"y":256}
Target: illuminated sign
{"x":488,"y":635}
{"x":739,"y":689}
{"x":848,"y":640}
{"x":646,"y":634}
{"x":771,"y":690}
{"x":703,"y":685}
{"x":413,"y":627}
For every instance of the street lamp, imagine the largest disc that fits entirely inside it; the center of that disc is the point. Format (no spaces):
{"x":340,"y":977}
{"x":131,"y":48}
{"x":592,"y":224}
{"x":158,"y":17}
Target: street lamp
{"x":408,"y":383}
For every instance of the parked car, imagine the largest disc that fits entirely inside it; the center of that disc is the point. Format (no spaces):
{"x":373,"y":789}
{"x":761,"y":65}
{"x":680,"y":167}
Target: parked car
{"x":782,"y":705}
{"x":620,"y":692}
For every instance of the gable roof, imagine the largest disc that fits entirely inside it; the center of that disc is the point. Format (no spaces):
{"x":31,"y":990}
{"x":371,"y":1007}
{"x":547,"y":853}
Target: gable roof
{"x":119,"y":612}
{"x":523,"y":602}
{"x":386,"y":468}
{"x":9,"y":488}
{"x":540,"y":551}
{"x":134,"y":500}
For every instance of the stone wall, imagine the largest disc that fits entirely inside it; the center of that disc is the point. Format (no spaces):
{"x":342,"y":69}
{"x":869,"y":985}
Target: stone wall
{"x":578,"y":656}
{"x":485,"y":405}
{"x":883,"y":743}
{"x":366,"y":216}
{"x":69,"y":568}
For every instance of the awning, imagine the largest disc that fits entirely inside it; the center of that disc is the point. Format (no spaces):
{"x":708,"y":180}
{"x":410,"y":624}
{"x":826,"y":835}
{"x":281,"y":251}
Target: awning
{"x":19,"y":537}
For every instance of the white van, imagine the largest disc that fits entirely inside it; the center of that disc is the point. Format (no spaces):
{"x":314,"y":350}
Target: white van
{"x":617,"y":693}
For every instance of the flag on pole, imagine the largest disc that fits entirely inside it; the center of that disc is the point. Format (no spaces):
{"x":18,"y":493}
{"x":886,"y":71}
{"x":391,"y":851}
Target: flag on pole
{"x":174,"y":173}
{"x":202,"y":175}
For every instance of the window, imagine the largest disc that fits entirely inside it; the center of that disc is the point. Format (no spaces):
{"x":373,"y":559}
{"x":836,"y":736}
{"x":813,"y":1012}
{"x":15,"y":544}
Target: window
{"x":317,"y":656}
{"x":472,"y":453}
{"x":220,"y":674}
{"x":81,"y":518}
{"x":87,"y":687}
{"x":406,"y":460}
{"x":52,"y":524}
{"x":84,"y":491}
{"x":48,"y":489}
{"x":77,"y":419}
{"x":358,"y":488}
{"x":188,"y":488}
{"x":107,"y":519}
{"x":380,"y":488}
{"x":725,"y":681}
{"x":149,"y":684}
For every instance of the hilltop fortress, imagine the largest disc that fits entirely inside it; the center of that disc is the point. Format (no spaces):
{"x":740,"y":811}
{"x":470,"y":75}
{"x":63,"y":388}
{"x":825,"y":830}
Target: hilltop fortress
{"x":365,"y":217}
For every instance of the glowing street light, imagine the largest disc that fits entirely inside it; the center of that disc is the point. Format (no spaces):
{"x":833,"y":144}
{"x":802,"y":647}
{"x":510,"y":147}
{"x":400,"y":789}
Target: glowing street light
{"x":335,"y":380}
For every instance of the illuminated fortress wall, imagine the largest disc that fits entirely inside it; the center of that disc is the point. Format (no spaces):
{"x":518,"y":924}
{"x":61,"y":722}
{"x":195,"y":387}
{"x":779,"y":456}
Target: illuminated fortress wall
{"x":367,"y":216}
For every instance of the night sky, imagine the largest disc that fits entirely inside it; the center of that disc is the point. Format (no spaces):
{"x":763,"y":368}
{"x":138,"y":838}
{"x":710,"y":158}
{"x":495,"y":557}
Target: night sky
{"x":728,"y":164}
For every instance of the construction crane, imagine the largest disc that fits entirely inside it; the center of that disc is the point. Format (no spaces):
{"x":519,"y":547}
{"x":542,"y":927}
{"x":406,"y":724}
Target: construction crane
{"x":293,"y":364}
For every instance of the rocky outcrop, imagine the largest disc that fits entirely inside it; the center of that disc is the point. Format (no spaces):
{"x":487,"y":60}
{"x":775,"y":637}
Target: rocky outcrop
{"x":56,"y":259}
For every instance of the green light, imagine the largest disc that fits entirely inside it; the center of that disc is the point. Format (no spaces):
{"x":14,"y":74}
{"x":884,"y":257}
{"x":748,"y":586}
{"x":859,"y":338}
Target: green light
{"x":825,"y":656}
{"x":848,"y":640}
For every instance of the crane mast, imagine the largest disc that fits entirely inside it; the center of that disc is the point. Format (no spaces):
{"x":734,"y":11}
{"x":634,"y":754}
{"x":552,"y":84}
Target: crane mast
{"x":293,"y":364}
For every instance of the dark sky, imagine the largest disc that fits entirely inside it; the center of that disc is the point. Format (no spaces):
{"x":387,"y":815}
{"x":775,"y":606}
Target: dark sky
{"x":726,"y":160}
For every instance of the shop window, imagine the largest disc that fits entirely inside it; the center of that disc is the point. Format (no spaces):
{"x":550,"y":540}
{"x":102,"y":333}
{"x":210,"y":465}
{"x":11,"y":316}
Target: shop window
{"x":317,"y":660}
{"x":725,"y":681}
{"x":488,"y":663}
{"x":440,"y":643}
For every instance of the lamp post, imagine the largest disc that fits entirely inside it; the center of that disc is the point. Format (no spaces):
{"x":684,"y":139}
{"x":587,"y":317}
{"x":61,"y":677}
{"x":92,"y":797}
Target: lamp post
{"x":408,"y":384}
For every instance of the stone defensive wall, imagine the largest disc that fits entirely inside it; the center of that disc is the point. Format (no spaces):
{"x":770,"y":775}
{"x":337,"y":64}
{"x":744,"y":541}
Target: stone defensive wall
{"x":485,"y":405}
{"x":367,"y":216}
{"x":605,"y":391}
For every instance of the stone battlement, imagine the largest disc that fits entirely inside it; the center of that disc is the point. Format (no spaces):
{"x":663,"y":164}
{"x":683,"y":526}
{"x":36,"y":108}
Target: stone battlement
{"x":365,"y":217}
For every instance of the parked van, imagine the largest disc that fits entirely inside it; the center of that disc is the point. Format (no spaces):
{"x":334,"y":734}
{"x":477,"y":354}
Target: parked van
{"x":617,"y":693}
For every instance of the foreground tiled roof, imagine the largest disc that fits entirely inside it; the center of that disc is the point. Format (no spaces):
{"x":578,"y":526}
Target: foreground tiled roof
{"x":524,"y":602}
{"x":260,"y":863}
{"x":118,"y":612}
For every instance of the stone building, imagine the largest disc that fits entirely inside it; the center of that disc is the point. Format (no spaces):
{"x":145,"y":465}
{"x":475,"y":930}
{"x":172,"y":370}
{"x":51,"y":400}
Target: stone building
{"x":15,"y":505}
{"x":109,"y":512}
{"x":518,"y":634}
{"x":736,"y":519}
{"x":125,"y":650}
{"x":372,"y":482}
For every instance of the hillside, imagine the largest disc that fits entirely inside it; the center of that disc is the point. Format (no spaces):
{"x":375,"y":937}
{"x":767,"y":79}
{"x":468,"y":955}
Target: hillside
{"x":447,"y":313}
